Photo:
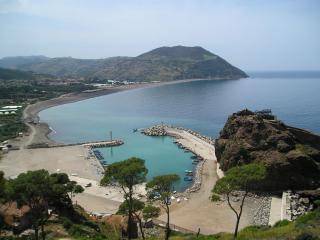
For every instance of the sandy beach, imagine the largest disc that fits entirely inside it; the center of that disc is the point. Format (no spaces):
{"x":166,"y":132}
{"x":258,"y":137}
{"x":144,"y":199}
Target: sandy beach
{"x":196,"y":211}
{"x":74,"y":161}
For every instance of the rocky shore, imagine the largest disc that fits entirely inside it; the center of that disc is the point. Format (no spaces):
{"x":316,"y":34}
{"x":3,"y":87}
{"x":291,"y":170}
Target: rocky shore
{"x":158,"y":130}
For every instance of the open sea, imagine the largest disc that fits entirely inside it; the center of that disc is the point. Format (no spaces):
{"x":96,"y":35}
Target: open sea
{"x":201,"y":105}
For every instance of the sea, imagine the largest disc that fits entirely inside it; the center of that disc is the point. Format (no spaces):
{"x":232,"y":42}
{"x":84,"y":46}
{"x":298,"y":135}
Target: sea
{"x":203,"y":106}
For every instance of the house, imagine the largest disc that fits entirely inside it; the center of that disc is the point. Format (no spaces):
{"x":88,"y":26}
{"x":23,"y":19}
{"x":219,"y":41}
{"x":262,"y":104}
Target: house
{"x":7,"y":111}
{"x":12,"y":107}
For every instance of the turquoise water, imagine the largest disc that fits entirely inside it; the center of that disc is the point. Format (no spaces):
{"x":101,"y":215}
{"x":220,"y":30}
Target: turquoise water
{"x":203,"y":106}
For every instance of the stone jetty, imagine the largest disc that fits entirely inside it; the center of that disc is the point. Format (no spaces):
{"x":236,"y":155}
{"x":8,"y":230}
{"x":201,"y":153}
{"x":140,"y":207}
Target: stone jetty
{"x":102,"y":144}
{"x":158,"y":130}
{"x":207,"y":139}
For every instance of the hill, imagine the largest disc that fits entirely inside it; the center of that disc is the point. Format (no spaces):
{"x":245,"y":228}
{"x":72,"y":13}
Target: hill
{"x":161,"y":64}
{"x":291,"y":155}
{"x":16,"y":62}
{"x":7,"y":74}
{"x":10,"y":74}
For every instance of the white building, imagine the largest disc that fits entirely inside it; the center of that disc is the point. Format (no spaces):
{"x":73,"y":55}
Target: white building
{"x":11,"y":107}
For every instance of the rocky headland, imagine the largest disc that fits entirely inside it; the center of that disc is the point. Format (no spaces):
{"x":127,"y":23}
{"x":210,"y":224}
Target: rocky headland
{"x":291,"y":155}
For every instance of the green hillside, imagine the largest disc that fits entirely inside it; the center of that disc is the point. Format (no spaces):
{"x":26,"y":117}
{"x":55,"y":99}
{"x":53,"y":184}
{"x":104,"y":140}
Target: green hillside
{"x":161,"y":64}
{"x":10,"y":74}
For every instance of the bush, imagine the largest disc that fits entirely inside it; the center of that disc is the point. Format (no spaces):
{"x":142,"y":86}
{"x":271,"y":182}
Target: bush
{"x":255,"y":228}
{"x":67,"y":224}
{"x":92,"y":225}
{"x":307,"y":219}
{"x":317,"y":203}
{"x":76,"y":230}
{"x":306,"y":236}
{"x":215,"y":198}
{"x":281,"y":223}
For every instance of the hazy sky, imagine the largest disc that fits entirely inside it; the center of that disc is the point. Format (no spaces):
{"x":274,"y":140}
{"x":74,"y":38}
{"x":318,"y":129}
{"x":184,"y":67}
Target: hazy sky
{"x":251,"y":34}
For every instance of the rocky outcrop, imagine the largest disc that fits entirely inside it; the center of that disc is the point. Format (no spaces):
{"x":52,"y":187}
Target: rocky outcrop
{"x":299,"y":204}
{"x":291,"y":162}
{"x":158,"y":130}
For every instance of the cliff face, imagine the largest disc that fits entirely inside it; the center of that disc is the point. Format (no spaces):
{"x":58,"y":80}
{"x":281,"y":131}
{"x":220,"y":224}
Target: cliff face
{"x":291,"y":155}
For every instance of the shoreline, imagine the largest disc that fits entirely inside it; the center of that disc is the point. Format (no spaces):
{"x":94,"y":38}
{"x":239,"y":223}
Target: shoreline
{"x":187,"y":213}
{"x":40,"y":131}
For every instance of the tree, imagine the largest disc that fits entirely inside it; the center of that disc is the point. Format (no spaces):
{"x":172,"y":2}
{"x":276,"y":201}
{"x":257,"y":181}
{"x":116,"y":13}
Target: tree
{"x":163,"y":186}
{"x":137,"y":207}
{"x":40,"y":192}
{"x":30,"y":189}
{"x":74,"y":188}
{"x":2,"y":186}
{"x":127,"y":174}
{"x":240,"y":178}
{"x":150,"y":212}
{"x":2,"y":197}
{"x":63,"y":190}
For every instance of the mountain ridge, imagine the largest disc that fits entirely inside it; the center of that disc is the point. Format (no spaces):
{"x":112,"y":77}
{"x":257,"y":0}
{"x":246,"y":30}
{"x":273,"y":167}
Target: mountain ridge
{"x":160,"y":64}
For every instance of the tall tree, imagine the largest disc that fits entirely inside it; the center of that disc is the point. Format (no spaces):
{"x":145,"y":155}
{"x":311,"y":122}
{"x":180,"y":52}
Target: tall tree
{"x":40,"y":192}
{"x":30,"y":189}
{"x":164,"y":187}
{"x":127,"y":174}
{"x":241,"y":178}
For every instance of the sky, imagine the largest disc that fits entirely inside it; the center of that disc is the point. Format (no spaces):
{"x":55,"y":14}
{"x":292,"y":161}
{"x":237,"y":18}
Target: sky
{"x":250,"y":34}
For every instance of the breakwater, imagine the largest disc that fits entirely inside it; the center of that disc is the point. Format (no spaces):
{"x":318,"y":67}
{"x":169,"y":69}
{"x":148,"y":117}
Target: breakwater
{"x":161,"y":130}
{"x":102,"y":144}
{"x":96,"y":144}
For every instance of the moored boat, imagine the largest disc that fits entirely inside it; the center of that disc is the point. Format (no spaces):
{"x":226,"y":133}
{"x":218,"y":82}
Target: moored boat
{"x":188,"y":178}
